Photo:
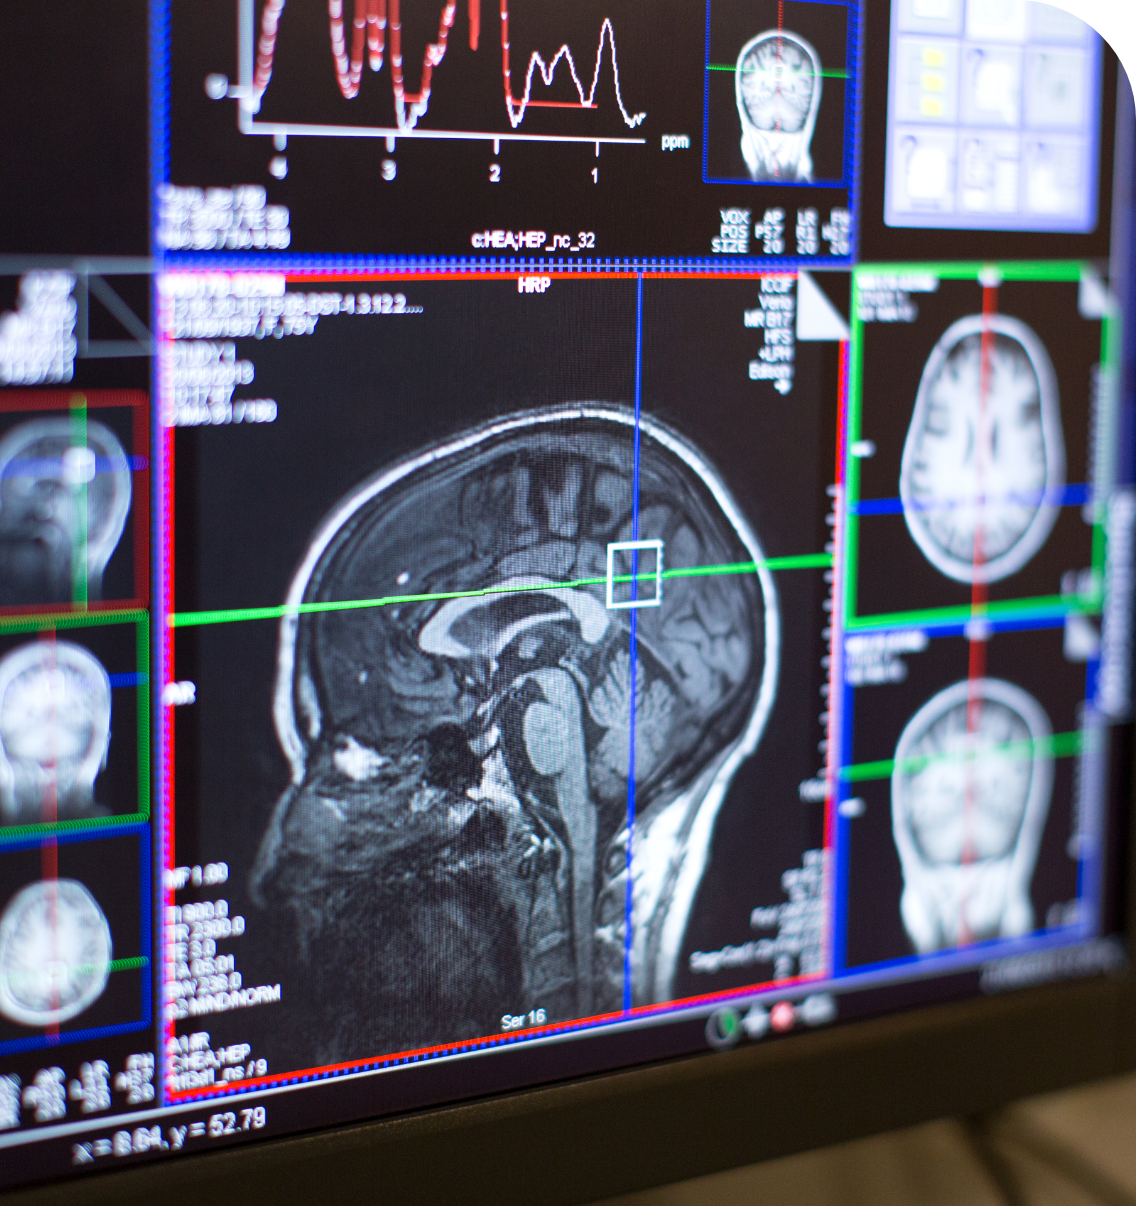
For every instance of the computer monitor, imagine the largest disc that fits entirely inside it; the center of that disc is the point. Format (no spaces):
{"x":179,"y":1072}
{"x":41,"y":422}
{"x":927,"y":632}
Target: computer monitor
{"x":551,"y":647}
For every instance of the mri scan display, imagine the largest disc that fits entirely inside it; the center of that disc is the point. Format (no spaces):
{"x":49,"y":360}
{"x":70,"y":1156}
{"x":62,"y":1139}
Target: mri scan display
{"x":984,"y":461}
{"x":455,"y":838}
{"x":970,"y":793}
{"x":55,"y":953}
{"x":55,"y":712}
{"x":778,"y":84}
{"x":63,"y":507}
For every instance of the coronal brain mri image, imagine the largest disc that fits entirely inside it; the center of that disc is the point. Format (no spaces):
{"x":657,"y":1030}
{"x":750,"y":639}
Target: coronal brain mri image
{"x":777,"y":90}
{"x":970,"y":795}
{"x":55,"y":953}
{"x":984,"y":462}
{"x":779,"y":87}
{"x":64,"y":498}
{"x":456,"y":833}
{"x":55,"y":716}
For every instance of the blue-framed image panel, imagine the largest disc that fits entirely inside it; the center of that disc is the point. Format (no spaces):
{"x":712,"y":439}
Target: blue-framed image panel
{"x":780,"y":93}
{"x":971,"y":793}
{"x":75,"y":939}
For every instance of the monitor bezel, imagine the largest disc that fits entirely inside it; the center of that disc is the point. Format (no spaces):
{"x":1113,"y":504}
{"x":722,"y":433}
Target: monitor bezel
{"x":600,"y":1136}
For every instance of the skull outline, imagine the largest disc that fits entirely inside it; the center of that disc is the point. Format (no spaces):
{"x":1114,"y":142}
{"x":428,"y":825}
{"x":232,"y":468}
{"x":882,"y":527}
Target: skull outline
{"x":22,"y":512}
{"x":774,"y":154}
{"x":930,"y":888}
{"x":1037,"y":531}
{"x":673,"y":835}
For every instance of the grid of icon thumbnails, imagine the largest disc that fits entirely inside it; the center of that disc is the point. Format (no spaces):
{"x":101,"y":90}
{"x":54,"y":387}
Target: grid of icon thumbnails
{"x":972,"y":599}
{"x":479,"y":569}
{"x":74,"y":727}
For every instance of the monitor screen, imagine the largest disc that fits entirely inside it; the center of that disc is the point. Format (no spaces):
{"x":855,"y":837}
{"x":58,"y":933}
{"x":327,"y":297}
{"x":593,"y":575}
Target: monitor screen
{"x":535,"y":542}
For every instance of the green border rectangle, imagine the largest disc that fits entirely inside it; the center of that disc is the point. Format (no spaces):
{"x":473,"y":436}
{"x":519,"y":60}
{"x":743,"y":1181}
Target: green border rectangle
{"x":962,"y":270}
{"x":141,"y":622}
{"x":1068,"y":271}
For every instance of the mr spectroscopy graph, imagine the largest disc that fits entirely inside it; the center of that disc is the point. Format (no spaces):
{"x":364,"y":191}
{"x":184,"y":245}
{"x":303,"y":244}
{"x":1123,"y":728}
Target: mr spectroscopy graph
{"x":515,"y":130}
{"x":497,"y":588}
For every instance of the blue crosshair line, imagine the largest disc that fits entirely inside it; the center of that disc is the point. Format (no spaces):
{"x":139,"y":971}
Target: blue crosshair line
{"x":629,"y":898}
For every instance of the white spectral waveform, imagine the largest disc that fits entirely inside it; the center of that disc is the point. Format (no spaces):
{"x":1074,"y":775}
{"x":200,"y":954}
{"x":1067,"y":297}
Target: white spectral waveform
{"x":372,"y":20}
{"x":548,"y":70}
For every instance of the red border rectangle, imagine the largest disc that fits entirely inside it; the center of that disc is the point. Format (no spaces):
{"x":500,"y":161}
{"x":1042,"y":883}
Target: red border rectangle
{"x":167,"y":758}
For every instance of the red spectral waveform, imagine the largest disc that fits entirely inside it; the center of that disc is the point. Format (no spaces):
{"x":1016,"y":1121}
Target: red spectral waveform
{"x":369,"y":28}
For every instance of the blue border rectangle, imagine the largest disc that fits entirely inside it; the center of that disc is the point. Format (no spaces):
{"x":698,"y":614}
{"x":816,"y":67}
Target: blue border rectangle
{"x":952,"y":958}
{"x":851,"y":109}
{"x":159,"y":75}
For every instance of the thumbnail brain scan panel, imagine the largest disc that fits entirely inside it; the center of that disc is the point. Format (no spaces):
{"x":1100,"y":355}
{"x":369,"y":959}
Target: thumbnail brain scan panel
{"x":490,"y":735}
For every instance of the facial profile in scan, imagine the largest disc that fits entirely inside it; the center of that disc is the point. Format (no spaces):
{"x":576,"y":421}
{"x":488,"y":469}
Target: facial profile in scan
{"x":455,"y":839}
{"x":64,"y":499}
{"x":55,"y":953}
{"x":983,"y":470}
{"x":969,"y":795}
{"x":55,"y":711}
{"x":778,"y":87}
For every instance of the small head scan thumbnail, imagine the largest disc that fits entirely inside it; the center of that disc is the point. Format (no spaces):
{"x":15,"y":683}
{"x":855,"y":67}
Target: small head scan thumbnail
{"x":63,"y":507}
{"x":983,"y":470}
{"x":778,"y":86}
{"x":55,"y":953}
{"x":55,"y":708}
{"x":455,"y":840}
{"x":969,"y":797}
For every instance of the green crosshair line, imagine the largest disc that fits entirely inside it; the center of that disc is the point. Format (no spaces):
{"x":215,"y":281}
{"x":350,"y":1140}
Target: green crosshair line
{"x":191,"y":619}
{"x":85,"y":969}
{"x":832,"y":74}
{"x":116,"y":965}
{"x":79,"y":592}
{"x":1057,"y":745}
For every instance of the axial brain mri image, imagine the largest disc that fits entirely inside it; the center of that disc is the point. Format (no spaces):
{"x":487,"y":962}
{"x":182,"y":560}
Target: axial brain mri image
{"x":55,"y":953}
{"x":455,"y":839}
{"x":970,"y":794}
{"x":983,"y":468}
{"x":778,"y":85}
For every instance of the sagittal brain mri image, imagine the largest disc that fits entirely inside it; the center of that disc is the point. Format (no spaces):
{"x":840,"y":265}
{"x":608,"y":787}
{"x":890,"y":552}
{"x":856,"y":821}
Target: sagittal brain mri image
{"x":55,"y":953}
{"x":55,"y":713}
{"x":970,"y":794}
{"x":64,"y":496}
{"x":983,"y":468}
{"x":456,"y":841}
{"x":778,"y":83}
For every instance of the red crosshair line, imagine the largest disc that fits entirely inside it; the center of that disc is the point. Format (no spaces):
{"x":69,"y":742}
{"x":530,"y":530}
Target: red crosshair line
{"x":49,"y":804}
{"x":777,"y":90}
{"x":979,"y":591}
